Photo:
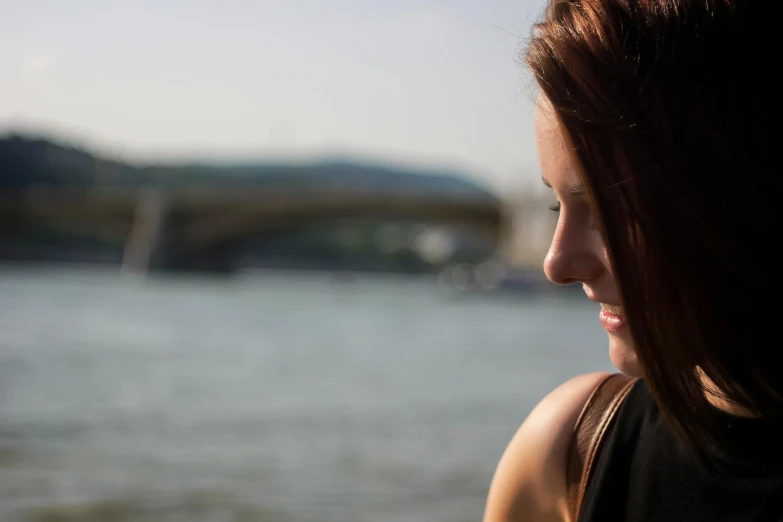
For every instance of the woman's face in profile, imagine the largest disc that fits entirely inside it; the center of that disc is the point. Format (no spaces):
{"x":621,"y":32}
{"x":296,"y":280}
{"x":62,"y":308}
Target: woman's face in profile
{"x":577,"y":253}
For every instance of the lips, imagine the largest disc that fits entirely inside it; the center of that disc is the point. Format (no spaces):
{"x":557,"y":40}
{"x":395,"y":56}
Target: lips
{"x":611,"y":318}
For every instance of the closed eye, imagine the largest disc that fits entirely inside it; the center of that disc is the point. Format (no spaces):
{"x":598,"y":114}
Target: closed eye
{"x":555,"y":207}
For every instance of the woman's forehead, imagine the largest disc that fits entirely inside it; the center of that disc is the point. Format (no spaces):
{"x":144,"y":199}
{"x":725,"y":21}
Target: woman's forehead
{"x":557,"y":158}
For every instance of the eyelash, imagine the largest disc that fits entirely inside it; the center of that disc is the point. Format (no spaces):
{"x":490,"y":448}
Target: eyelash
{"x":556,"y":208}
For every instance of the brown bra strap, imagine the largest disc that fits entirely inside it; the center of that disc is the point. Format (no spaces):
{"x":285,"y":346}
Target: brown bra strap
{"x":597,"y":415}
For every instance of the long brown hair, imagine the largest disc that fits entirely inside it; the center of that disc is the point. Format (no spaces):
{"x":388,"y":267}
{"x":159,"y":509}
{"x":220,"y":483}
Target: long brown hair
{"x":674,"y":109}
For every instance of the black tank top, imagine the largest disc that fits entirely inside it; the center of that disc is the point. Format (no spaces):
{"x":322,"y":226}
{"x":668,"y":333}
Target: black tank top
{"x":645,"y":474}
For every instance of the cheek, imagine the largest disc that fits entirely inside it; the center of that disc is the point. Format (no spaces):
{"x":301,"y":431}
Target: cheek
{"x":600,"y":251}
{"x":605,"y":257}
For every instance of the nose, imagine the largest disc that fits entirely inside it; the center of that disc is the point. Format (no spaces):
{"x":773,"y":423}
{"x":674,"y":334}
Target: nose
{"x":574,"y":255}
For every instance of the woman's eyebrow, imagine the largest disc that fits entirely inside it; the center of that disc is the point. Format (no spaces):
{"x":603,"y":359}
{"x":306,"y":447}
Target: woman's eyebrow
{"x":577,"y":190}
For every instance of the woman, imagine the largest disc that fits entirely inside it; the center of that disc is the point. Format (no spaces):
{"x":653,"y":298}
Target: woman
{"x":658,"y":127}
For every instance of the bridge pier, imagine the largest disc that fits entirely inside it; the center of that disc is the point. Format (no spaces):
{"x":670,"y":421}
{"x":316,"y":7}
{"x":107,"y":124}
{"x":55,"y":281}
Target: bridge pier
{"x":149,"y":245}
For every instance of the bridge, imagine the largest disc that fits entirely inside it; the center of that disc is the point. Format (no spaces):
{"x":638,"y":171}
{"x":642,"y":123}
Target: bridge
{"x":169,"y":229}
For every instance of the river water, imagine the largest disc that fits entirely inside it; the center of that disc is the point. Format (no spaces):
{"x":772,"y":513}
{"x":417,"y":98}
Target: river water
{"x":270,"y":397}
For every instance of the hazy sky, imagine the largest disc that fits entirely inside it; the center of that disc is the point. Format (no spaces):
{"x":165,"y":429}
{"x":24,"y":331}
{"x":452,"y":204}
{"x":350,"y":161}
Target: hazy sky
{"x":420,"y":80}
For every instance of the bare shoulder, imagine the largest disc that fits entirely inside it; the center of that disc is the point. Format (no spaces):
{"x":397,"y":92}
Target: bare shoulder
{"x":530,"y":483}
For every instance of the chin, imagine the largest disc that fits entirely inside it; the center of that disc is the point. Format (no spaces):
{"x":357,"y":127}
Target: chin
{"x":623,"y":355}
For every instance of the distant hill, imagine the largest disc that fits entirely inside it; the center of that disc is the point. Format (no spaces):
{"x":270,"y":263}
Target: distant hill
{"x":27,"y":162}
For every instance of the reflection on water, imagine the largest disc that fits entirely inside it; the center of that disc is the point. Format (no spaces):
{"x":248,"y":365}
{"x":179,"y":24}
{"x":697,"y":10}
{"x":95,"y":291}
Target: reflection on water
{"x":272,"y":397}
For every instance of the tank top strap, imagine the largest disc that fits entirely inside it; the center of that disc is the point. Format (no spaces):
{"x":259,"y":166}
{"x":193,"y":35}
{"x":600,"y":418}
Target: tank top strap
{"x":597,"y":415}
